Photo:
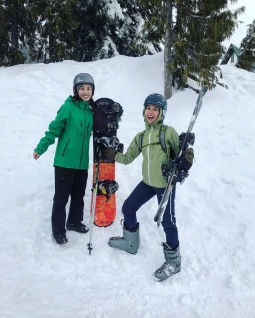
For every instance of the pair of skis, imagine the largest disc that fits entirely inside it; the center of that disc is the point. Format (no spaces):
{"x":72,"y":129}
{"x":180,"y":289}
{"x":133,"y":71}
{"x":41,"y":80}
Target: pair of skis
{"x":173,"y":172}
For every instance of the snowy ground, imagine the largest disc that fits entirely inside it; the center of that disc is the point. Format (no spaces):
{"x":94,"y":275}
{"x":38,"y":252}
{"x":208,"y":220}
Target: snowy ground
{"x":214,"y":207}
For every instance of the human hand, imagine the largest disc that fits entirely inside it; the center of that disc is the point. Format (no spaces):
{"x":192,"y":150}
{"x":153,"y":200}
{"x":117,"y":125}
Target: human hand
{"x":186,"y":159}
{"x":110,"y":154}
{"x":36,"y":155}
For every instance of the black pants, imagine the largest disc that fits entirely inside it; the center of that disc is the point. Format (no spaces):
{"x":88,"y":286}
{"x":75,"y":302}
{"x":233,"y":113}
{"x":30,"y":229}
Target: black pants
{"x":68,"y":182}
{"x":140,"y":195}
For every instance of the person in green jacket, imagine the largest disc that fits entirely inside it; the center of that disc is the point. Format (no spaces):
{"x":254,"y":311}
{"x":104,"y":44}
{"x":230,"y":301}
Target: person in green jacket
{"x":153,"y":183}
{"x":72,"y":126}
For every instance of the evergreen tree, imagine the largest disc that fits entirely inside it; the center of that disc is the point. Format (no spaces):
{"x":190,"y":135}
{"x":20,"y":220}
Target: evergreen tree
{"x":91,"y":31}
{"x":193,"y":36}
{"x":3,"y":39}
{"x":108,"y":28}
{"x":126,"y":35}
{"x":247,"y":57}
{"x":13,"y":21}
{"x":82,"y":30}
{"x":53,"y":40}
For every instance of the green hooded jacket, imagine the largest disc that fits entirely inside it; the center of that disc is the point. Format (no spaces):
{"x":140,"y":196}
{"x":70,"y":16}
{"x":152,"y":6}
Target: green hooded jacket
{"x":72,"y":127}
{"x":153,"y":154}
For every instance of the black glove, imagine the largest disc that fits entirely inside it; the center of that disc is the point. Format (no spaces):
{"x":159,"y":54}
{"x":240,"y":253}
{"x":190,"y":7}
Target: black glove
{"x":120,"y":148}
{"x":186,"y":159}
{"x":110,"y":154}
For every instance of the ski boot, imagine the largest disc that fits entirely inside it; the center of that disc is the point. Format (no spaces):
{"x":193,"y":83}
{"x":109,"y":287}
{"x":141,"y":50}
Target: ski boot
{"x":129,"y":242}
{"x":60,"y":238}
{"x":80,"y":228}
{"x":172,"y":264}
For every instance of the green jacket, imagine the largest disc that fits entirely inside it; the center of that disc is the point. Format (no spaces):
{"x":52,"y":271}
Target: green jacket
{"x":72,"y":127}
{"x":153,"y":154}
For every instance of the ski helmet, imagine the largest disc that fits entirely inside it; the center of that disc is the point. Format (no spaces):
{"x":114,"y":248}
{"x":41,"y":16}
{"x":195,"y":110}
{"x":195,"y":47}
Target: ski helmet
{"x":157,"y":100}
{"x":80,"y":79}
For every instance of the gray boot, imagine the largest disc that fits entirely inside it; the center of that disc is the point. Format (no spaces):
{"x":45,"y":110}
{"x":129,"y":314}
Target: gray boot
{"x":172,"y":264}
{"x":129,"y":242}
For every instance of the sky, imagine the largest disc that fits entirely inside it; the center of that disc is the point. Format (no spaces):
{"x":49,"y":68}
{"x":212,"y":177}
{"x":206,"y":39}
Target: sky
{"x":214,"y":206}
{"x":247,"y":18}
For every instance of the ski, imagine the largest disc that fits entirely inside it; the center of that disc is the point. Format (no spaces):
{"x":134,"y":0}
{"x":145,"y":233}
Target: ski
{"x":173,"y":170}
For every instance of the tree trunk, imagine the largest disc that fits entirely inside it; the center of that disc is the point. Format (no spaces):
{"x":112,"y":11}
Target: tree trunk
{"x":168,"y":51}
{"x":52,"y":57}
{"x":15,"y":33}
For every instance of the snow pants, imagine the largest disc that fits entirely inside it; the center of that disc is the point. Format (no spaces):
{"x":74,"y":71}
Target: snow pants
{"x":68,"y":182}
{"x":140,"y":195}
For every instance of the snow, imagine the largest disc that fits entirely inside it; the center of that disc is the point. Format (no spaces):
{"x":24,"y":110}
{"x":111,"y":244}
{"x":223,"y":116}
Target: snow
{"x":214,"y":207}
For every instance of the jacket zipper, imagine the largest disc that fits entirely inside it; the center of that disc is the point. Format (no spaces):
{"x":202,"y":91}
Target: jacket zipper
{"x":65,"y":148}
{"x":82,"y":139}
{"x":148,"y":155}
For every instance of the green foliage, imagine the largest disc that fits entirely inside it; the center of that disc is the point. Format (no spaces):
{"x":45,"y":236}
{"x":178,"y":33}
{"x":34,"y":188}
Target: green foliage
{"x":54,"y":26}
{"x":12,"y":34}
{"x":109,"y":28}
{"x":198,"y":28}
{"x":247,"y":58}
{"x":83,"y":30}
{"x":91,"y":31}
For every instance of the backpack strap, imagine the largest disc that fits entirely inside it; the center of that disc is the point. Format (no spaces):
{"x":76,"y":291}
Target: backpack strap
{"x":140,"y":141}
{"x":161,"y":139}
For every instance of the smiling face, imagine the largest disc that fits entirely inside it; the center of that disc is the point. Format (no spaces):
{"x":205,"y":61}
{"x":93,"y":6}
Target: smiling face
{"x":85,"y":92}
{"x":151,"y":113}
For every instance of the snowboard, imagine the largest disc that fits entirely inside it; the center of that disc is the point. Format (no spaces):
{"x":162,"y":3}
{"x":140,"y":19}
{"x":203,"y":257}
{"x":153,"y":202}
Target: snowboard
{"x":105,"y":124}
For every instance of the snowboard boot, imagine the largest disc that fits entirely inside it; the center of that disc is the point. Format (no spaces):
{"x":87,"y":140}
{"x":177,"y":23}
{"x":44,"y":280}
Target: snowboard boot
{"x":80,"y":228}
{"x":60,"y":238}
{"x":172,"y":264}
{"x":129,"y":242}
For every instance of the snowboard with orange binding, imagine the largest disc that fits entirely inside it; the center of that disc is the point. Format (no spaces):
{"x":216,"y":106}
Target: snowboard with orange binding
{"x":107,"y":115}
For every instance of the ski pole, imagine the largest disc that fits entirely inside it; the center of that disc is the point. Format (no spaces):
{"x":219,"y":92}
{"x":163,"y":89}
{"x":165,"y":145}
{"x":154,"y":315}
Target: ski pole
{"x":93,"y":201}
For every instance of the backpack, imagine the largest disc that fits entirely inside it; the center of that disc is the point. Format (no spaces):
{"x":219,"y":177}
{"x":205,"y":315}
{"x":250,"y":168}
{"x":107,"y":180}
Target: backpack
{"x":161,"y":139}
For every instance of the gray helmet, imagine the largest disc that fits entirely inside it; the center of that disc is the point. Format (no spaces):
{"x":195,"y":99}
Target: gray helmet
{"x":80,"y":79}
{"x":157,"y":100}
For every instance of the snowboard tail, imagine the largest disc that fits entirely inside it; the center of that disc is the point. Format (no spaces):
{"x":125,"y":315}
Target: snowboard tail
{"x":105,"y":211}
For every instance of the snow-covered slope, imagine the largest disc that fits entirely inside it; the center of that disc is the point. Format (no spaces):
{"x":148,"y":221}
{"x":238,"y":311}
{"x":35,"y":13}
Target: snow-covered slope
{"x":214,"y":207}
